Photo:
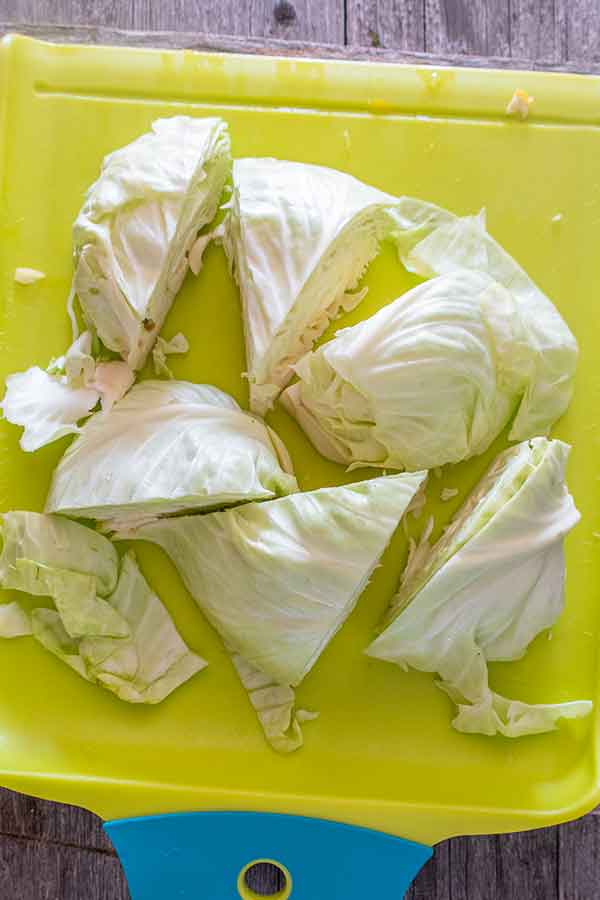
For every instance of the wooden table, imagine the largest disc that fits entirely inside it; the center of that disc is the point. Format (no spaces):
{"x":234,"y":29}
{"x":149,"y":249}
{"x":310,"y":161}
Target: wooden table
{"x":51,"y":852}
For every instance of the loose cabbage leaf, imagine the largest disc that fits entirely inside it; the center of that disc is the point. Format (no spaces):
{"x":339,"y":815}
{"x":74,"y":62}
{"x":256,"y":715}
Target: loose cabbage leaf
{"x":430,"y":379}
{"x":278,"y":579}
{"x":45,"y":406}
{"x":155,"y":660}
{"x":298,"y":238}
{"x":493,"y":581}
{"x":163,"y":348}
{"x":167,"y":447}
{"x":125,"y":640}
{"x":55,"y":543}
{"x":275,"y":707}
{"x":50,"y":404}
{"x":139,"y":221}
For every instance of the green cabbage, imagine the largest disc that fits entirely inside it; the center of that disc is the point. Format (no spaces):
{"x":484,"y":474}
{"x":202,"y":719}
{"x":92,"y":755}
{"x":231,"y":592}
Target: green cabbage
{"x":278,"y":579}
{"x":166,"y":447}
{"x":139,"y":221}
{"x":434,"y":377}
{"x":493,"y":581}
{"x":108,"y":625}
{"x":298,"y":238}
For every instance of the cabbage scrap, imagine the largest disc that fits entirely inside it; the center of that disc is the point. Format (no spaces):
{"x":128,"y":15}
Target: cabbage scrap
{"x":168,"y":447}
{"x":278,"y":579}
{"x":434,"y":377}
{"x":138,"y":224}
{"x":108,"y":624}
{"x":491,"y":583}
{"x":298,"y":238}
{"x":51,"y":403}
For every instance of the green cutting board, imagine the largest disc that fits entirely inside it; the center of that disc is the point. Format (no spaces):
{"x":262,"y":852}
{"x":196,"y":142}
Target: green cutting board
{"x":382,"y":753}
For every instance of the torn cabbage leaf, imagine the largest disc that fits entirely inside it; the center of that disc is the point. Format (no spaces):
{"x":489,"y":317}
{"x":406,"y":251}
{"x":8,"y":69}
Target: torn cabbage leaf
{"x":298,"y":238}
{"x":163,"y":348}
{"x":57,"y":544}
{"x":51,"y":403}
{"x":168,"y":447}
{"x":45,"y":406}
{"x":275,"y":707}
{"x":490,"y":584}
{"x":139,"y":221}
{"x":431,"y":378}
{"x":278,"y":579}
{"x":108,"y":624}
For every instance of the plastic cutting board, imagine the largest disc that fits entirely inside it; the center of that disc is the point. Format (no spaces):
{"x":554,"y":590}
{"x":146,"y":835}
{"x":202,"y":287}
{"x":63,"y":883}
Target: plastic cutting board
{"x":382,"y":755}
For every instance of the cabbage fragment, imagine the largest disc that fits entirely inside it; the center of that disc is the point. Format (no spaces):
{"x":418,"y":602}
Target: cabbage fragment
{"x":491,"y":583}
{"x":139,"y":221}
{"x":278,"y":579}
{"x":51,"y":403}
{"x":108,"y":624}
{"x":167,"y":447}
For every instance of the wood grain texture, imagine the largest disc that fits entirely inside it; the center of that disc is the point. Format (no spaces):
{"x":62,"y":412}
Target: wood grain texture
{"x":466,"y":27}
{"x":54,"y":852}
{"x":36,"y":870}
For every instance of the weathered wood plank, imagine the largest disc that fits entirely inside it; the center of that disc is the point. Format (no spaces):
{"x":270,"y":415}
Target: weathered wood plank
{"x":34,"y":870}
{"x":583,"y":30}
{"x":386,"y":23}
{"x":299,"y":20}
{"x":527,"y":865}
{"x":579,"y":859}
{"x":465,"y":27}
{"x":232,"y":44}
{"x":538,"y":29}
{"x":26,"y":817}
{"x":433,"y":881}
{"x":473,"y":873}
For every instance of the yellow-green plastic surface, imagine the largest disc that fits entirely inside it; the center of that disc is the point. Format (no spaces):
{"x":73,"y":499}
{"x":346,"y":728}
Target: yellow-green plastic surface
{"x":382,"y":754}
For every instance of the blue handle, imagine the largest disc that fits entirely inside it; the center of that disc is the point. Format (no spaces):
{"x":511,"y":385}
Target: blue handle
{"x":203,"y":856}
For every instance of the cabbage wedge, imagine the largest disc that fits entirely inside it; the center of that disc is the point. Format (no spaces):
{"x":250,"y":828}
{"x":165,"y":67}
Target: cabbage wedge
{"x":491,"y":583}
{"x":278,"y":579}
{"x":168,"y":447}
{"x":434,"y":377}
{"x":108,"y":625}
{"x":139,"y":222}
{"x":298,"y":238}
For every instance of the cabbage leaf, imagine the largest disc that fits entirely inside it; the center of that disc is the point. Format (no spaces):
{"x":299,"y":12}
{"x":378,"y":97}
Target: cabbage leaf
{"x":167,"y":447}
{"x":108,"y":625}
{"x":490,"y":584}
{"x":139,"y":221}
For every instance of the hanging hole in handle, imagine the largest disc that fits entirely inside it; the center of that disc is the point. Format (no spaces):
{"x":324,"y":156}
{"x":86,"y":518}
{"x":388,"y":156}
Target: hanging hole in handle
{"x":264,"y":879}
